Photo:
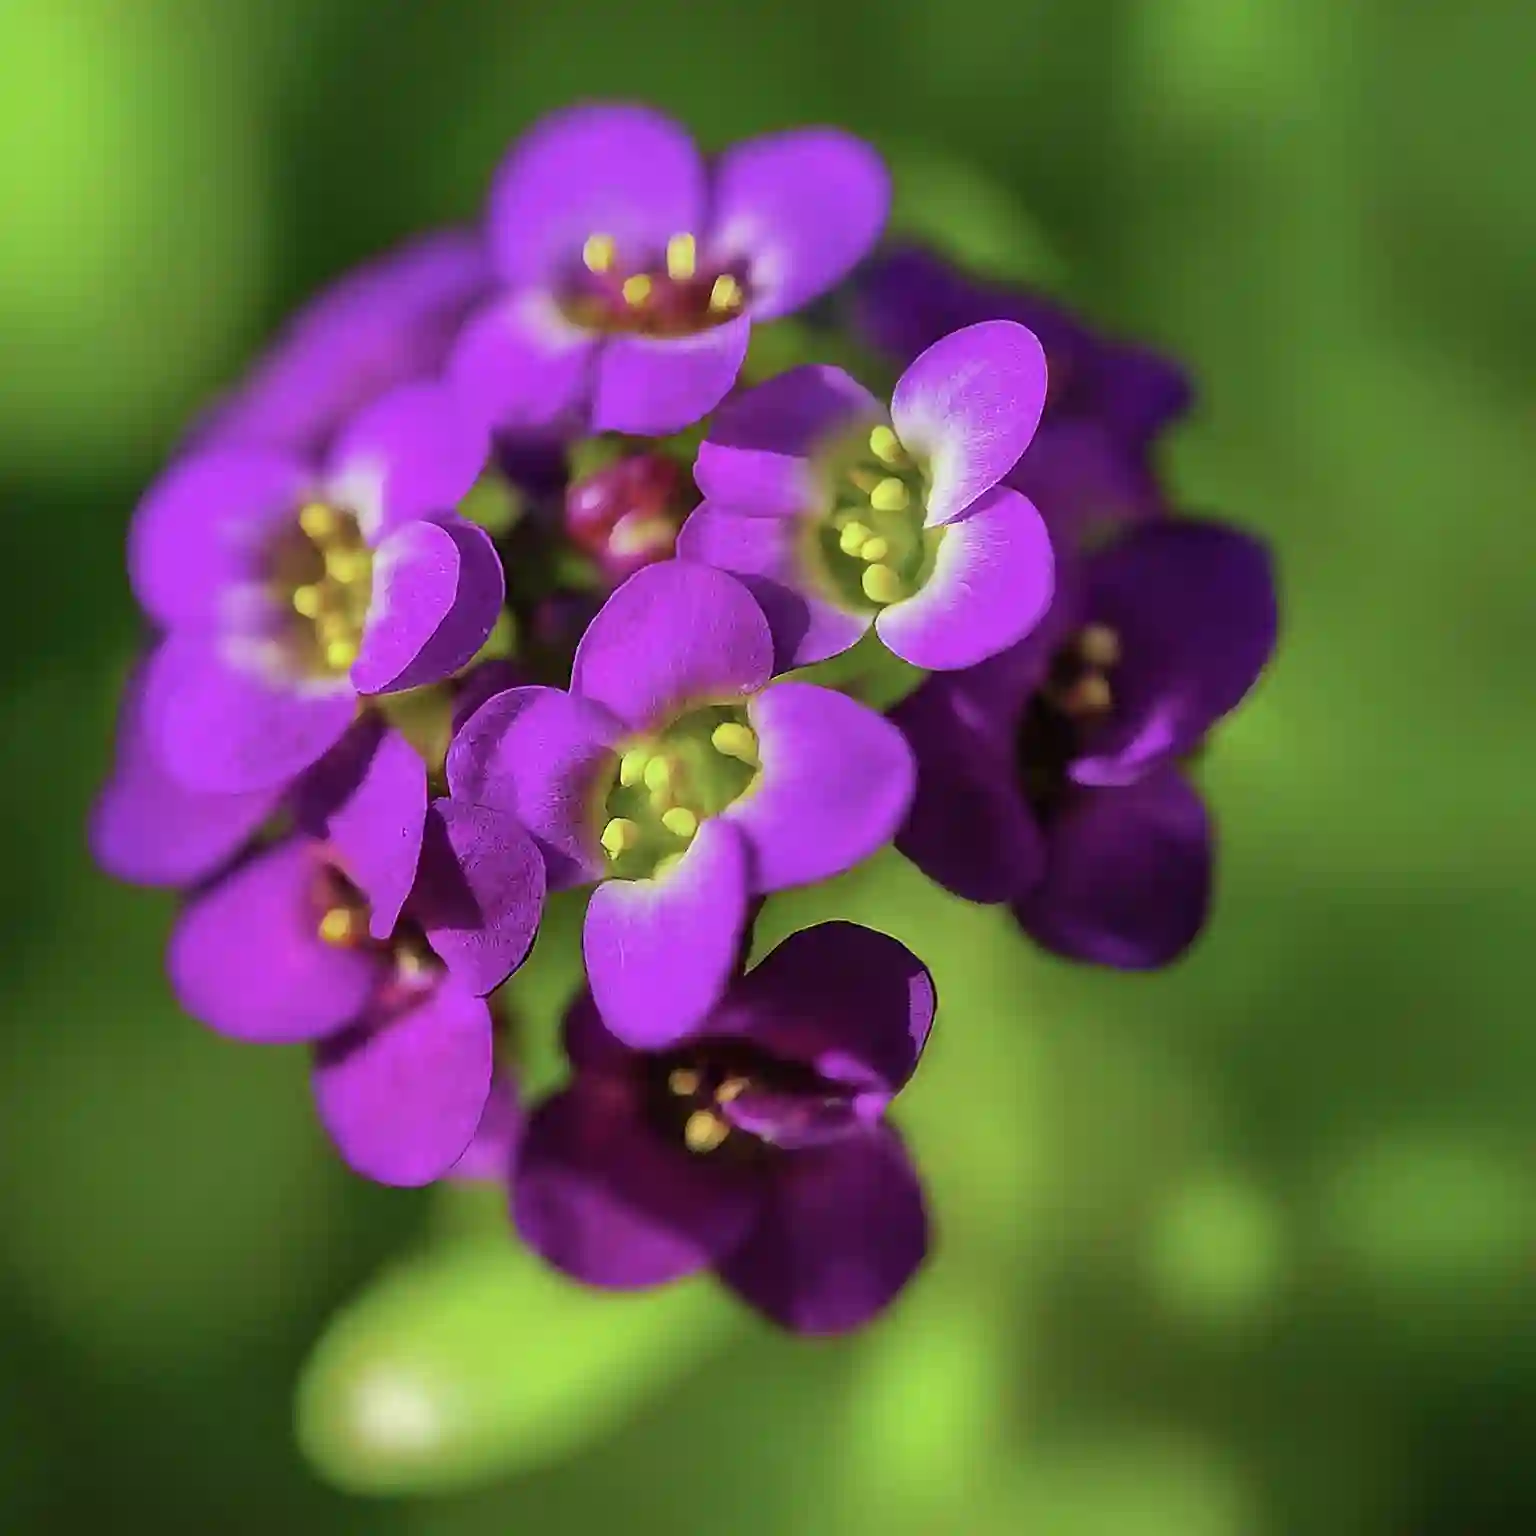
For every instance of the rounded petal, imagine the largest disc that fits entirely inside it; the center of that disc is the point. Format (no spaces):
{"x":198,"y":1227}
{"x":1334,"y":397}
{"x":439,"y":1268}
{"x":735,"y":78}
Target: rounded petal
{"x":534,"y":752}
{"x":492,"y":1152}
{"x":842,"y":1229}
{"x":403,"y":1096}
{"x":227,"y":728}
{"x":413,"y":453}
{"x":649,"y":386}
{"x":438,"y":588}
{"x":991,"y":584}
{"x":969,"y":828}
{"x":754,"y":460}
{"x":604,"y":1199}
{"x":147,"y":829}
{"x":853,"y":1004}
{"x":202,"y":529}
{"x":589,"y":1045}
{"x":1128,"y":875}
{"x":1086,"y":484}
{"x":660,"y":952}
{"x":480,"y":893}
{"x":521,"y":364}
{"x":246,"y":957}
{"x":674,"y":635}
{"x":764,"y":553}
{"x":621,"y":171}
{"x":970,"y":404}
{"x":803,"y":208}
{"x":836,"y":782}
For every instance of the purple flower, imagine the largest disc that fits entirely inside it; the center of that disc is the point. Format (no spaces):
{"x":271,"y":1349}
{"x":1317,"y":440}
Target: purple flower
{"x":631,"y":273}
{"x":288,"y":589}
{"x":839,"y":516}
{"x":390,"y":322}
{"x":492,"y":1153}
{"x":283,"y":948}
{"x":1089,"y":468}
{"x":756,"y":1145}
{"x":679,"y":777}
{"x":1049,"y":777}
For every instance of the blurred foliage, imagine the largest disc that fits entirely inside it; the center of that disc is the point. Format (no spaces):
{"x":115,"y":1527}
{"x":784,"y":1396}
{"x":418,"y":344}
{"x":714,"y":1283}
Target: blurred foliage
{"x":1245,"y":1248}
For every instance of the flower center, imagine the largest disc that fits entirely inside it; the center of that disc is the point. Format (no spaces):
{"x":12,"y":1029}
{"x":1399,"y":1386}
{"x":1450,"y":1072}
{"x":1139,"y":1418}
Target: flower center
{"x":871,"y":545}
{"x":1076,"y":696}
{"x":321,"y":573}
{"x":668,"y":783}
{"x":342,"y":921}
{"x":675,"y":296}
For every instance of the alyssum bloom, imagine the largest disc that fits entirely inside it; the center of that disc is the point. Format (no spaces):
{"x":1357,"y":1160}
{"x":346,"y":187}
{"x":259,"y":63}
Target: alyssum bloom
{"x":755,"y":1145}
{"x":631,"y":274}
{"x":288,"y":589}
{"x":840,"y":516}
{"x":682,"y":779}
{"x":1049,"y":777}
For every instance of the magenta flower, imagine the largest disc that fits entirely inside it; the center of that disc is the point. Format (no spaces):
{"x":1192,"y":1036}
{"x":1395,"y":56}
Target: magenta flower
{"x":756,"y":1145}
{"x":289,"y":589}
{"x":283,"y":948}
{"x":1049,"y":777}
{"x":631,"y":273}
{"x":840,"y":517}
{"x":680,"y":778}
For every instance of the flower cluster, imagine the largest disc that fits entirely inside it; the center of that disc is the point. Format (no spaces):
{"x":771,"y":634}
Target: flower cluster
{"x":498,"y":577}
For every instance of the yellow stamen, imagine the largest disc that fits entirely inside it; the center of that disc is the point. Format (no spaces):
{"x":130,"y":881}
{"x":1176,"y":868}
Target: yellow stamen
{"x":682,"y":257}
{"x":683,"y":1081}
{"x":632,"y":766}
{"x":336,"y":926}
{"x":306,"y":601}
{"x":318,"y":520}
{"x":680,"y":821}
{"x":619,"y":835}
{"x":1089,"y":695}
{"x":658,"y":775}
{"x":885,"y":445}
{"x":340,"y":653}
{"x":410,"y":963}
{"x":731,"y":1088}
{"x":345,"y":565}
{"x":665,"y":866}
{"x":1099,"y":646}
{"x":874,"y":551}
{"x":636,"y":289}
{"x":881,"y":584}
{"x":598,"y":252}
{"x":853,"y":537}
{"x":889,"y":496}
{"x":725,"y":294}
{"x":704,"y":1131}
{"x":732,"y":739}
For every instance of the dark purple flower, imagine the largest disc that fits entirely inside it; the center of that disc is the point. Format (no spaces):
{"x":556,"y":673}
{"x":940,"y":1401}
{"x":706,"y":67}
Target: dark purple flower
{"x":283,"y":949}
{"x":679,"y":776}
{"x":288,"y":589}
{"x":755,"y":1145}
{"x":840,"y":516}
{"x":1089,"y":468}
{"x":631,"y":273}
{"x":390,"y":322}
{"x":1049,"y":777}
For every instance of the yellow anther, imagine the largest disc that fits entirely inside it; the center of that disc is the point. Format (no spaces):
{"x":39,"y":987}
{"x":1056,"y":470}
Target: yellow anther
{"x":410,"y":963}
{"x":658,"y":775}
{"x":731,"y":1088}
{"x":885,"y":445}
{"x":853,"y":538}
{"x":703,"y":1131}
{"x":636,"y":289}
{"x":891,"y":495}
{"x":1089,"y":695}
{"x":345,"y":565}
{"x":634,"y":535}
{"x":881,"y":584}
{"x":665,"y":866}
{"x":682,"y":257}
{"x":620,"y":834}
{"x":725,"y":294}
{"x":1099,"y":646}
{"x":731,"y":739}
{"x":336,"y":927}
{"x":632,"y":766}
{"x":318,"y":520}
{"x":875,"y":550}
{"x":306,"y":601}
{"x":680,"y":821}
{"x":340,"y":654}
{"x":597,"y":252}
{"x":683,"y":1081}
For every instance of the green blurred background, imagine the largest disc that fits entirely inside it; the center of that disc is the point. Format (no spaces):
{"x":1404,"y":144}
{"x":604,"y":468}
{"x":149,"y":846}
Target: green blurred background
{"x":1246,"y":1248}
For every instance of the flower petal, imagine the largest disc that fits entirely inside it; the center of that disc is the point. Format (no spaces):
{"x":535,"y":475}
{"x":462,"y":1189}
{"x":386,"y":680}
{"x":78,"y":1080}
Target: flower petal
{"x":492,"y":1152}
{"x":246,"y":957}
{"x":589,"y":1045}
{"x":803,"y":208}
{"x":228,"y":728}
{"x":755,"y":459}
{"x":621,"y":171}
{"x":649,"y":386}
{"x":836,"y":782}
{"x":991,"y":584}
{"x":1128,"y":874}
{"x":1086,"y":485}
{"x":402,"y":1097}
{"x":603,"y":1198}
{"x":147,"y":829}
{"x":842,"y":1230}
{"x":659,"y":952}
{"x":480,"y":893}
{"x":764,"y":553}
{"x":969,"y":405}
{"x":674,"y":635}
{"x":202,"y":530}
{"x":521,"y":364}
{"x":536,"y":752}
